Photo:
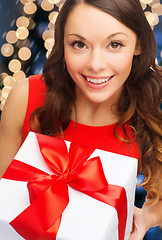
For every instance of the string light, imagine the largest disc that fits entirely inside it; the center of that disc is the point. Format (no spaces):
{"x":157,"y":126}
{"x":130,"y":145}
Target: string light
{"x":3,"y":75}
{"x":54,"y":1}
{"x":52,"y":17}
{"x":14,"y":65}
{"x":24,"y":53}
{"x":19,"y":36}
{"x":5,"y":92}
{"x":22,"y":33}
{"x":30,"y":8}
{"x":47,"y":34}
{"x":49,"y":42}
{"x":157,"y":8}
{"x":7,"y":50}
{"x":51,"y":26}
{"x":9,"y":81}
{"x":152,"y":18}
{"x":11,"y":37}
{"x":24,"y":1}
{"x":144,"y":5}
{"x":22,"y":22}
{"x":46,"y":5}
{"x":20,"y":75}
{"x":146,"y":1}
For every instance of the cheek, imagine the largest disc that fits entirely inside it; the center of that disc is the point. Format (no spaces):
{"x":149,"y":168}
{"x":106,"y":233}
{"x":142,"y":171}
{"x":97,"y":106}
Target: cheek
{"x":73,"y":63}
{"x":124,"y":64}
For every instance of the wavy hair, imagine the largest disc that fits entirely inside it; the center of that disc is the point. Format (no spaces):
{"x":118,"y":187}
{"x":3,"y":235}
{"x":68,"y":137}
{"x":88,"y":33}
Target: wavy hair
{"x":139,"y":102}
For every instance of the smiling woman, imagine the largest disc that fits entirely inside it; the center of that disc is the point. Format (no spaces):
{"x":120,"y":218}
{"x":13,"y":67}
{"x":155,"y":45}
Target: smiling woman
{"x":94,"y":91}
{"x":94,"y":60}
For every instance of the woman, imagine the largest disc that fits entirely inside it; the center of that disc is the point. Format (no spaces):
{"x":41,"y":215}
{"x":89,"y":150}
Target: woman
{"x":101,"y":73}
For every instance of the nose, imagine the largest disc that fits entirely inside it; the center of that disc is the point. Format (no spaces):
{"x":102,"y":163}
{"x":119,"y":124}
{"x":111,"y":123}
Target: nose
{"x":97,"y":60}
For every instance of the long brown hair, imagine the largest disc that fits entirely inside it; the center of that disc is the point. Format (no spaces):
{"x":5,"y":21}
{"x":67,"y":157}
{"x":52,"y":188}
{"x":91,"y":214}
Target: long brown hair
{"x":139,"y":102}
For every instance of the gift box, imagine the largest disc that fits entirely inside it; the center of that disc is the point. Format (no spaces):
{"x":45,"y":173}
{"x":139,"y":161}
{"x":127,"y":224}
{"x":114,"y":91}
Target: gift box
{"x":55,"y":189}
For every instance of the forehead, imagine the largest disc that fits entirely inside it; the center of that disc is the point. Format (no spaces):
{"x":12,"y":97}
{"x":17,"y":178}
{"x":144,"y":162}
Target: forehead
{"x":87,"y":19}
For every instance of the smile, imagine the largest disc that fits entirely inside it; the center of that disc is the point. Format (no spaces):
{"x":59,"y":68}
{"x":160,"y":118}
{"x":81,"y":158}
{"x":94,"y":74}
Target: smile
{"x":97,"y":81}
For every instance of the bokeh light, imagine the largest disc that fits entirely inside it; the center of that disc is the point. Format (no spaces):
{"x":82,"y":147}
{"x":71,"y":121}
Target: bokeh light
{"x":46,"y":5}
{"x":9,"y":81}
{"x":152,"y":18}
{"x":157,"y":8}
{"x":54,"y":1}
{"x":14,"y":65}
{"x":52,"y":17}
{"x":22,"y":33}
{"x":7,"y":50}
{"x":49,"y":43}
{"x":146,"y":1}
{"x":11,"y":37}
{"x":3,"y":75}
{"x":47,"y":34}
{"x":22,"y":22}
{"x":5,"y":92}
{"x":24,"y":53}
{"x":30,"y":8}
{"x":20,"y":75}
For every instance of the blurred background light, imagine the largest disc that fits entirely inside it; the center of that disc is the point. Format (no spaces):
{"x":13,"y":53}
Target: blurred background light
{"x":14,"y":65}
{"x":22,"y":22}
{"x":9,"y":81}
{"x":30,"y":8}
{"x":20,"y":75}
{"x":49,"y":42}
{"x":22,"y":33}
{"x":11,"y":37}
{"x":47,"y":34}
{"x":157,"y":8}
{"x":24,"y":53}
{"x":47,"y":5}
{"x":52,"y":17}
{"x":146,"y":1}
{"x":7,"y":50}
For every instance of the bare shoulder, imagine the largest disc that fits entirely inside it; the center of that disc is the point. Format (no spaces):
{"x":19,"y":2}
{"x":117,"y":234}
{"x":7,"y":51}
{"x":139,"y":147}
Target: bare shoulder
{"x":16,"y":103}
{"x":19,"y":91}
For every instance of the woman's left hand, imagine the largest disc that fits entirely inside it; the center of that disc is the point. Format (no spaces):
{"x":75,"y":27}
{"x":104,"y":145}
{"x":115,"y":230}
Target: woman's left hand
{"x":144,"y":218}
{"x":140,"y":226}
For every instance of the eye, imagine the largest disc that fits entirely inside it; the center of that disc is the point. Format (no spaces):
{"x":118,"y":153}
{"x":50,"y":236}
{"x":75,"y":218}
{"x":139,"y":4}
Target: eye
{"x":116,"y":45}
{"x":78,"y":45}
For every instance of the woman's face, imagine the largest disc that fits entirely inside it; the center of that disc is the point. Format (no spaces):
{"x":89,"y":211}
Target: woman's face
{"x":98,"y":53}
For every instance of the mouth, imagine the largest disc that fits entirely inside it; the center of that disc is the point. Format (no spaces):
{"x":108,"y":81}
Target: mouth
{"x":97,"y":80}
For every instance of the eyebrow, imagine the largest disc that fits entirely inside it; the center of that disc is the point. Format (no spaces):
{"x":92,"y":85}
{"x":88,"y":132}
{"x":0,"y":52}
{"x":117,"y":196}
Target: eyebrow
{"x":110,"y":36}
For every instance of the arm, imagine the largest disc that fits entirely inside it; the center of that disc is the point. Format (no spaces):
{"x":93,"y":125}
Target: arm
{"x":144,"y":218}
{"x":13,"y":116}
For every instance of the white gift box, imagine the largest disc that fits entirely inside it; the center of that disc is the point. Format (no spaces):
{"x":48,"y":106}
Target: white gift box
{"x":84,"y":217}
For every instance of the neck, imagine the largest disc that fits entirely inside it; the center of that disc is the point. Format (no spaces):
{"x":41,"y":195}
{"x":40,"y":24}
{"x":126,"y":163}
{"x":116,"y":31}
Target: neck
{"x":94,"y":114}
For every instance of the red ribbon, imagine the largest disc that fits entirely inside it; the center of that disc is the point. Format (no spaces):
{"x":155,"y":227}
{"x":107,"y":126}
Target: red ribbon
{"x":49,"y":193}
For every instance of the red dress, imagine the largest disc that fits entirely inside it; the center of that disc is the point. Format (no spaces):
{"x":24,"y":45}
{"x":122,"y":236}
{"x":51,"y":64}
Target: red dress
{"x":101,"y":137}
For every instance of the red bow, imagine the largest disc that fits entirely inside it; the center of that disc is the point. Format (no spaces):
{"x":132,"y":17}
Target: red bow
{"x":49,"y":193}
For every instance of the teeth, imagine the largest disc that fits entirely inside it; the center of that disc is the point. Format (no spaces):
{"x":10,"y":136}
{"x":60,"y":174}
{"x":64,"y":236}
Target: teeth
{"x":97,"y":81}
